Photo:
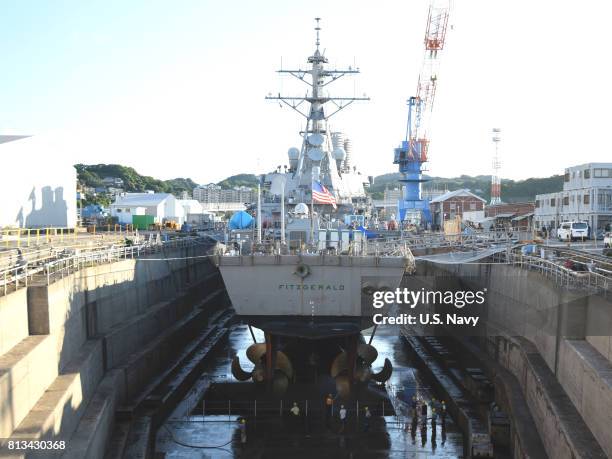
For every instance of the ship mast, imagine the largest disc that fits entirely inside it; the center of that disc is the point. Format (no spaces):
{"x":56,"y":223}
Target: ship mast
{"x":315,"y":161}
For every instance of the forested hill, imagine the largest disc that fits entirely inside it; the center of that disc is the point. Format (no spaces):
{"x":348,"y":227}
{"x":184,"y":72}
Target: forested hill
{"x":91,"y":175}
{"x":512,"y":190}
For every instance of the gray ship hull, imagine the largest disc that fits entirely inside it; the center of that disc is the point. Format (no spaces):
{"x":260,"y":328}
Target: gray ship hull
{"x":308,"y":295}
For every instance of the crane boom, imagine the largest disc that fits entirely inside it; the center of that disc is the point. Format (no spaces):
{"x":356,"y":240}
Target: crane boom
{"x":413,"y":151}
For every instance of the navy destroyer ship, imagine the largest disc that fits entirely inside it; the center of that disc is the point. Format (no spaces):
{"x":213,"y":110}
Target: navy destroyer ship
{"x":307,"y":277}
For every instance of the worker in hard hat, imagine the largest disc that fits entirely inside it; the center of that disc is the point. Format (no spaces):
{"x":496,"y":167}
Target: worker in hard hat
{"x":367,"y":415}
{"x":295,"y":415}
{"x":329,"y":404}
{"x":243,"y":432}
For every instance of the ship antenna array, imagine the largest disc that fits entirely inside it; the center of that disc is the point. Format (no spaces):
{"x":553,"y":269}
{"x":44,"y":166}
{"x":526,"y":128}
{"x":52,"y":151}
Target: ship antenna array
{"x":319,"y":75}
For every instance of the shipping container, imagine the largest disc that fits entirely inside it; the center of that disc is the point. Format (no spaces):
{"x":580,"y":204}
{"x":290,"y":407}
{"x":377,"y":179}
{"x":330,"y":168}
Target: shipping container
{"x":142,"y":222}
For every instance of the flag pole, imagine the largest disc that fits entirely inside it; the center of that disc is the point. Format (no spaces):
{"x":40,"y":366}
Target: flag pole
{"x":283,"y":214}
{"x":311,"y":215}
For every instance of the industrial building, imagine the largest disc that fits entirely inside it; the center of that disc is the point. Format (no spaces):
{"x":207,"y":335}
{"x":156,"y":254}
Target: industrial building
{"x":513,"y":208}
{"x":161,"y":206}
{"x":43,"y":193}
{"x":586,"y":196}
{"x":190,"y":206}
{"x":453,"y":204}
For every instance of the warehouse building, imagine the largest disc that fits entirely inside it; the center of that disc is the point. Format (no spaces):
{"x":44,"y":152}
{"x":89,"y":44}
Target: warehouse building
{"x":43,"y":193}
{"x":162,"y":207}
{"x":453,"y":204}
{"x":586,"y":196}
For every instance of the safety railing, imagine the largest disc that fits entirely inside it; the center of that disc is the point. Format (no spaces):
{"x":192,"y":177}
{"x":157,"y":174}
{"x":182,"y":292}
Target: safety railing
{"x":379,"y":248}
{"x":598,"y":279}
{"x":65,"y":266}
{"x":65,"y":263}
{"x":459,"y":239}
{"x":227,"y":409}
{"x":33,"y":237}
{"x":14,"y":278}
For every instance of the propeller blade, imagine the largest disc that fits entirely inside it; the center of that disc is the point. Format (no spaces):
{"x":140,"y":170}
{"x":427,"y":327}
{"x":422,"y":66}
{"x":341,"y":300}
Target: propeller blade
{"x":284,"y":364}
{"x":367,"y":352}
{"x":339,"y":364}
{"x":256,"y":351}
{"x":259,"y":372}
{"x":384,"y":374}
{"x":238,"y":372}
{"x":363,"y":373}
{"x":343,"y":386}
{"x":280,"y":383}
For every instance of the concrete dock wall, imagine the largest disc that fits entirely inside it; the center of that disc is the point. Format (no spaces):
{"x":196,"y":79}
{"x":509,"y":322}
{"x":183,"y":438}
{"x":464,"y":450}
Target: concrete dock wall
{"x":13,"y":319}
{"x":58,"y":341}
{"x":555,"y":341}
{"x":586,"y":377}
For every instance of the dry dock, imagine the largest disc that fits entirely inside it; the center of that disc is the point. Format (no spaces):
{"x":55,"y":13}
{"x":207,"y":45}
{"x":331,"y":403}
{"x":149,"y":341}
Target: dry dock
{"x":126,"y":352}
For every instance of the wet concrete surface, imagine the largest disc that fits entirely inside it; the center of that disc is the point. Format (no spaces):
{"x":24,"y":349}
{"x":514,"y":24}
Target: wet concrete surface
{"x":271,"y":433}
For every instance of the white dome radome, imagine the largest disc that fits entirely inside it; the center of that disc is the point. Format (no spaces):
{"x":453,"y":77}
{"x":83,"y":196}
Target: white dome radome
{"x":293,"y":153}
{"x":339,"y":154}
{"x":301,"y":209}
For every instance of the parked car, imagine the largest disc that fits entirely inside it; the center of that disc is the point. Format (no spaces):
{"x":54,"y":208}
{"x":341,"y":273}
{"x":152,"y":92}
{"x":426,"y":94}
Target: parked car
{"x":571,"y":231}
{"x":608,"y":240}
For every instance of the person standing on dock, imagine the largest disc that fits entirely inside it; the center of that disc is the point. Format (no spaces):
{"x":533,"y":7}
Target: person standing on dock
{"x":342,"y":414}
{"x":434,"y":418}
{"x":424,"y":411}
{"x":366,"y":419}
{"x":243,"y":432}
{"x":295,"y":415}
{"x":443,"y":412}
{"x":329,"y":403}
{"x":413,"y":406}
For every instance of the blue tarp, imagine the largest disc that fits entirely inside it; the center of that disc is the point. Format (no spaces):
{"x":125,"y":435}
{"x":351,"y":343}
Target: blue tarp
{"x":240,"y":220}
{"x":369,"y":234}
{"x":529,"y":249}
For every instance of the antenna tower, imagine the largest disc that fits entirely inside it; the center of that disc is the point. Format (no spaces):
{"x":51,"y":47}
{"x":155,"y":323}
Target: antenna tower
{"x":495,"y":179}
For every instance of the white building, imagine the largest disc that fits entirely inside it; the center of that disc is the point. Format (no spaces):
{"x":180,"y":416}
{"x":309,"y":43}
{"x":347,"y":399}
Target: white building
{"x":213,"y":194}
{"x":191,"y":206}
{"x":37,"y":186}
{"x":162,"y":206}
{"x":586,"y":196}
{"x":207,"y":193}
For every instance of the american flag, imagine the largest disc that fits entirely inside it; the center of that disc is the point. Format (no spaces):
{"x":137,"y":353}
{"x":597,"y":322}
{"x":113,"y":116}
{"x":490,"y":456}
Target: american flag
{"x":321,"y":195}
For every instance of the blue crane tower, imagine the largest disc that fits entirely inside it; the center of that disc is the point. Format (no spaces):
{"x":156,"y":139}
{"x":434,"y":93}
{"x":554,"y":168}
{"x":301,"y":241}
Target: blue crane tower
{"x":411,"y":155}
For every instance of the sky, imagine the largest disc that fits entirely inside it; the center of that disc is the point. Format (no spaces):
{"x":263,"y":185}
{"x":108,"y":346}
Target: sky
{"x":176,"y":89}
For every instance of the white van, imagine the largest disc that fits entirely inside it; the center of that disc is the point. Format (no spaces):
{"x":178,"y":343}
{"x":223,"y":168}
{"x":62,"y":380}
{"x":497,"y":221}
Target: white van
{"x":571,"y":231}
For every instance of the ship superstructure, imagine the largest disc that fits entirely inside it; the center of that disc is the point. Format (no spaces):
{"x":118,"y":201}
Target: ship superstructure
{"x":324,"y":155}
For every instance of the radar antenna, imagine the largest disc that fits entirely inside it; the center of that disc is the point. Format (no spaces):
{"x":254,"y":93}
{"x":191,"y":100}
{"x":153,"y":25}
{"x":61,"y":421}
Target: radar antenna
{"x":315,"y":160}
